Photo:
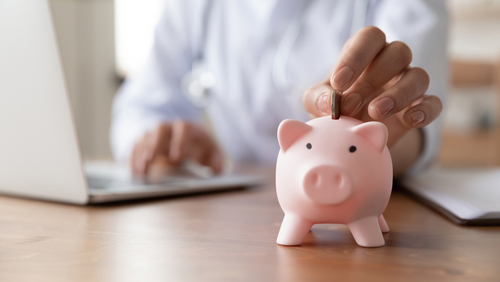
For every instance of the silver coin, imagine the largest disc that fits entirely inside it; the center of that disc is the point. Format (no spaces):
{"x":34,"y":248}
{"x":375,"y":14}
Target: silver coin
{"x":335,"y":104}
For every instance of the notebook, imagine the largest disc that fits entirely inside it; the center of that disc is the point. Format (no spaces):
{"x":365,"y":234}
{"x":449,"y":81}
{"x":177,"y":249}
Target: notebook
{"x":466,"y":196}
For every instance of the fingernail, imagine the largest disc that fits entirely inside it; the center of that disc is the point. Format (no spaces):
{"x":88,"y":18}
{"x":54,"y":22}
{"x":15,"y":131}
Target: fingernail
{"x":323,"y":104}
{"x":417,"y":117}
{"x":343,"y":77}
{"x":352,"y":103}
{"x":384,"y":106}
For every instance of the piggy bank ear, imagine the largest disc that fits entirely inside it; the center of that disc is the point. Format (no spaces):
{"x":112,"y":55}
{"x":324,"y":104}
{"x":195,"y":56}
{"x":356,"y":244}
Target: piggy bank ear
{"x":289,"y":131}
{"x":373,"y":131}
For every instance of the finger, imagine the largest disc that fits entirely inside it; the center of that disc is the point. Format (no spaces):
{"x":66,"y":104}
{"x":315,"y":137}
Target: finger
{"x":365,"y":46}
{"x":423,"y":113}
{"x":133,"y":157}
{"x":316,"y":100}
{"x":208,"y":152}
{"x":212,"y":158}
{"x":192,"y":141}
{"x":180,"y":142}
{"x":137,"y":162}
{"x":389,"y":63}
{"x":144,"y":155}
{"x":216,"y":161}
{"x":413,"y":84}
{"x":157,"y":144}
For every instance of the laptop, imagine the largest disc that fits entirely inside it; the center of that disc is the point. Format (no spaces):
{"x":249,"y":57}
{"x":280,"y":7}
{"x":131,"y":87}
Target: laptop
{"x":39,"y":152}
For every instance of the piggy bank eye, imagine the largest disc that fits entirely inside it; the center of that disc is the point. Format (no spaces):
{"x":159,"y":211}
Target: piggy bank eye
{"x":309,"y":146}
{"x":352,"y":149}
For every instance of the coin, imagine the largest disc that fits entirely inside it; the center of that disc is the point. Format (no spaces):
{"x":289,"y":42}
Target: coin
{"x":335,"y":104}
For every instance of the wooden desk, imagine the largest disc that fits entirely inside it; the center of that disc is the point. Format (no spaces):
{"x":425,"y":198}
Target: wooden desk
{"x":231,"y":236}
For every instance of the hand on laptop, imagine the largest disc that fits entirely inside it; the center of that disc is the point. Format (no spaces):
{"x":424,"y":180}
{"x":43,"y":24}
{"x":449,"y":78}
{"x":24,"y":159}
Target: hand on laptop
{"x":174,"y":142}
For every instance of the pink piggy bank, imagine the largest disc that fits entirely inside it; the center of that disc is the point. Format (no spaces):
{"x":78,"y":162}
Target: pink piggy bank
{"x":333,"y":171}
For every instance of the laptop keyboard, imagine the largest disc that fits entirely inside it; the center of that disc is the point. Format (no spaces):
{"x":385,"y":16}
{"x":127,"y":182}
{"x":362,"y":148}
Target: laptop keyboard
{"x":99,"y":182}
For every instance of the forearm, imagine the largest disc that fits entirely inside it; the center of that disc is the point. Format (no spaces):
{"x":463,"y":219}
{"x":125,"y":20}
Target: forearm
{"x":406,"y":151}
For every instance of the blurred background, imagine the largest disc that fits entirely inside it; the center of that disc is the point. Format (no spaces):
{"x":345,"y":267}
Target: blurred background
{"x":102,"y":41}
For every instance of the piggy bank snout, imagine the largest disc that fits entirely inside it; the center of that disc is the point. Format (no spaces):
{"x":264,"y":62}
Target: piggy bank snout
{"x":327,"y":185}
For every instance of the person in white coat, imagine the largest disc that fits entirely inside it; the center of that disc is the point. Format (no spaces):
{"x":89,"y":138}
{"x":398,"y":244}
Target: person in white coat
{"x":259,"y":62}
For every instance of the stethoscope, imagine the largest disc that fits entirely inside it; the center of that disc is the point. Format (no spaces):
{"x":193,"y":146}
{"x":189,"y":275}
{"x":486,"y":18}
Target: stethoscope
{"x":197,"y":83}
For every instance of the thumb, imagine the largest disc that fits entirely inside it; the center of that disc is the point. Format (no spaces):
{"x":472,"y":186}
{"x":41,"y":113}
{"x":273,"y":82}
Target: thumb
{"x":316,"y":100}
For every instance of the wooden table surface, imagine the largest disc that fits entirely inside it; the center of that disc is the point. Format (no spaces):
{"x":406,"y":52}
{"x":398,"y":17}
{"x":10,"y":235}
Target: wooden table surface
{"x":230,"y":236}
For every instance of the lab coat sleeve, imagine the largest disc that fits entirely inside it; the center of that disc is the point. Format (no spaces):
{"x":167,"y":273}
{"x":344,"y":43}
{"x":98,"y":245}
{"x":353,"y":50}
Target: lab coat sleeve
{"x":423,"y":26}
{"x":154,"y":95}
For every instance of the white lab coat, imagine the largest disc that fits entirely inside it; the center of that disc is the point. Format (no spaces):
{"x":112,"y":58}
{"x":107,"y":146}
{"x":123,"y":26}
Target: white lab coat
{"x":246,"y":107}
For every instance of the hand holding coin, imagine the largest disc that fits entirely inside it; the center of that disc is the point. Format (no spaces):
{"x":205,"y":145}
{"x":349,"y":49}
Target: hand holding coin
{"x":376,"y":82}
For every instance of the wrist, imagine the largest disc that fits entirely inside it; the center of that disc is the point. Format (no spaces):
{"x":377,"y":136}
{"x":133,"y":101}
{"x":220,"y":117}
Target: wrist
{"x":406,"y":151}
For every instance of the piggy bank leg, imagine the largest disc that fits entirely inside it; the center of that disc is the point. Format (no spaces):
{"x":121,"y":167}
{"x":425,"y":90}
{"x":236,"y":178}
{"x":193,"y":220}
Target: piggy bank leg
{"x":293,"y":230}
{"x":383,"y":224}
{"x":366,"y":232}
